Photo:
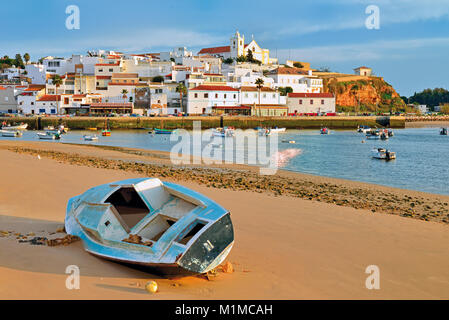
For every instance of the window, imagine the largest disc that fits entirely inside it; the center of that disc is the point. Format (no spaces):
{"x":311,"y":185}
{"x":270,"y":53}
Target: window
{"x":300,"y":101}
{"x":66,"y":100}
{"x":123,"y":81}
{"x":224,"y":96}
{"x":274,"y":95}
{"x":53,"y":111}
{"x":311,"y":101}
{"x":322,"y":101}
{"x":206,"y":95}
{"x":235,"y":96}
{"x":246,"y":95}
{"x":216,"y":95}
{"x":111,"y":70}
{"x":264,"y":95}
{"x":100,"y":70}
{"x":32,"y":103}
{"x":41,"y":110}
{"x":195,"y":95}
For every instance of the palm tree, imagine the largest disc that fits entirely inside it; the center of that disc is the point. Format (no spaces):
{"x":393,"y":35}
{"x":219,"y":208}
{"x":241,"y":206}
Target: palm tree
{"x":124,"y":93}
{"x":57,"y":81}
{"x":26,"y":56}
{"x":181,"y":88}
{"x":259,"y":85}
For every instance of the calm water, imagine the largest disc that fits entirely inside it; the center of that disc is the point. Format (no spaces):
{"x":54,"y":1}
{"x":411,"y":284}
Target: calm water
{"x":421,"y":162}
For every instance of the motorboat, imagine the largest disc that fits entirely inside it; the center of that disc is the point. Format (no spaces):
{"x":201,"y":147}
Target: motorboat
{"x":160,"y":225}
{"x":443,"y":131}
{"x":223,"y":132}
{"x":162,"y":131}
{"x":363,"y":129}
{"x":106,"y":133}
{"x":49,"y":135}
{"x":324,"y":130}
{"x":90,"y":137}
{"x":277,"y":130}
{"x":383,"y":154}
{"x":373,"y":134}
{"x":22,"y":126}
{"x":264,"y":132}
{"x":11,"y":133}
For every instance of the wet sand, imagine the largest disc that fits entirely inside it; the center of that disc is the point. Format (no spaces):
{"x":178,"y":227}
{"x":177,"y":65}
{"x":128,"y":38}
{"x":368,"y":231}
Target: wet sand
{"x":287,"y":246}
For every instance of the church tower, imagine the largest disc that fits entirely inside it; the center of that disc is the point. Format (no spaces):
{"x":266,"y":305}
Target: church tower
{"x":237,"y":45}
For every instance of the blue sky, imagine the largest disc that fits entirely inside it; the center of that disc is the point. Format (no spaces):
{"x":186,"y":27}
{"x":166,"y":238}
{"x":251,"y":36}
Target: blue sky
{"x":410,"y":50}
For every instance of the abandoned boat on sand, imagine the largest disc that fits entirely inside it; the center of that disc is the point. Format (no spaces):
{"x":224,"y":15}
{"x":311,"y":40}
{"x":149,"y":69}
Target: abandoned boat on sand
{"x":148,"y":222}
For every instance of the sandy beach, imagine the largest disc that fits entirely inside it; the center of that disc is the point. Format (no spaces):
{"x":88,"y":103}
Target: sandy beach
{"x":296,"y":236}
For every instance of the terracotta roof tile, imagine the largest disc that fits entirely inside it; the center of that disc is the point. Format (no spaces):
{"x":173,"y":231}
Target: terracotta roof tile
{"x":213,"y":88}
{"x":215,"y":50}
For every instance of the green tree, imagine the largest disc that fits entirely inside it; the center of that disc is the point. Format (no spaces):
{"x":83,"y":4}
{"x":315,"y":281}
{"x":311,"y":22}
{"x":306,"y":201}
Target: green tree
{"x":19,"y":61}
{"x":228,"y":61}
{"x":124,"y":93}
{"x":159,"y":79}
{"x":57,"y":81}
{"x":298,"y":65}
{"x":241,"y":59}
{"x":26,"y":56}
{"x":285,"y":90}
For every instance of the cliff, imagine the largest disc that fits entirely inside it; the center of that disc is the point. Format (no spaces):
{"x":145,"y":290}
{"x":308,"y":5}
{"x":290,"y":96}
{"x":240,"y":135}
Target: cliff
{"x":369,"y":94}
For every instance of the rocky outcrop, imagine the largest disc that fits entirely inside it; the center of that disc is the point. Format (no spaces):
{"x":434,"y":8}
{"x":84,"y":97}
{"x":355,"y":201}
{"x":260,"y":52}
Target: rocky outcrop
{"x":369,"y":94}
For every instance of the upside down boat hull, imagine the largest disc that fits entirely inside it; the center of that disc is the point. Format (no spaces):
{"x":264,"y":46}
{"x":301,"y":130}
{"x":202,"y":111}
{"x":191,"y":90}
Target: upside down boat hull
{"x":178,"y":231}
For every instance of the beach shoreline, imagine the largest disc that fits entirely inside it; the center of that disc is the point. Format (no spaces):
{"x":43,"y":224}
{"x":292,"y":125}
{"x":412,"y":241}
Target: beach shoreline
{"x":287,"y":246}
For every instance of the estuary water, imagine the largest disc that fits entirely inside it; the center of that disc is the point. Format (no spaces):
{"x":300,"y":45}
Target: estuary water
{"x":421,"y":164}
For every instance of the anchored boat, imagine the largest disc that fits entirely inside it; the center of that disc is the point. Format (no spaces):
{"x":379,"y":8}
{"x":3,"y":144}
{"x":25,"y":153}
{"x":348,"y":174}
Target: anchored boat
{"x":156,"y":224}
{"x":162,"y":131}
{"x":11,"y":133}
{"x":363,"y":129}
{"x":223,"y":132}
{"x":383,"y":154}
{"x":324,"y":131}
{"x":443,"y":131}
{"x":49,"y":135}
{"x":90,"y":138}
{"x":22,"y":126}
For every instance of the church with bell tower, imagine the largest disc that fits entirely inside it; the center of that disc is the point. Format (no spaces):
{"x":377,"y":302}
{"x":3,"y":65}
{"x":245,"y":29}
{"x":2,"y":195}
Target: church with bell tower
{"x":238,"y":48}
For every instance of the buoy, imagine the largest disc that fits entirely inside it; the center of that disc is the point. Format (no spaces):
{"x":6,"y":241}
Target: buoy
{"x":151,"y":286}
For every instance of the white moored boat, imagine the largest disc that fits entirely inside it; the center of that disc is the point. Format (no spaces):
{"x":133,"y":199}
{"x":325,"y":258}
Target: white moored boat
{"x":90,"y":138}
{"x":49,"y":135}
{"x":223,"y":132}
{"x":11,"y":133}
{"x":383,"y":154}
{"x":19,"y":127}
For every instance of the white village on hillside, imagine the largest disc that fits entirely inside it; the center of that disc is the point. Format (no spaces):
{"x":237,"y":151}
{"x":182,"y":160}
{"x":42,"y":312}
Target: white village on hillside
{"x":238,"y":79}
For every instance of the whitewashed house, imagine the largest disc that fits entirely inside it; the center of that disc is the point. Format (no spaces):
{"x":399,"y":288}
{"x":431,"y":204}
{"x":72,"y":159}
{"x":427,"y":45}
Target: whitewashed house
{"x":203,"y":98}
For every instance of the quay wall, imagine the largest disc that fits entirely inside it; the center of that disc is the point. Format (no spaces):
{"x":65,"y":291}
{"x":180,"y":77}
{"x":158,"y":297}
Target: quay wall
{"x":337,"y":122}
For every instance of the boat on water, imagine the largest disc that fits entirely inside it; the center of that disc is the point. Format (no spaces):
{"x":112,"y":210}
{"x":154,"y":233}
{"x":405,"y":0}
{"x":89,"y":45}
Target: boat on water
{"x":106,"y":133}
{"x":90,"y":137}
{"x":162,"y":131}
{"x":147,"y":222}
{"x":11,"y":133}
{"x":22,"y":126}
{"x":325,"y":131}
{"x":49,"y":135}
{"x":443,"y":131}
{"x":264,"y":132}
{"x":383,"y":154}
{"x":223,"y":132}
{"x":363,"y":129}
{"x":276,"y":129}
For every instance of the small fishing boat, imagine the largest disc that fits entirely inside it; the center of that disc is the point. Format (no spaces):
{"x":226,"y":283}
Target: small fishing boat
{"x":49,"y":135}
{"x":162,"y":131}
{"x":161,"y":225}
{"x":277,"y":130}
{"x":11,"y":133}
{"x":22,"y":126}
{"x":324,"y":130}
{"x":383,"y":154}
{"x":443,"y":131}
{"x":90,"y":138}
{"x":264,"y":132}
{"x":373,"y":134}
{"x":92,"y":129}
{"x":223,"y":132}
{"x":363,"y":129}
{"x":106,"y":133}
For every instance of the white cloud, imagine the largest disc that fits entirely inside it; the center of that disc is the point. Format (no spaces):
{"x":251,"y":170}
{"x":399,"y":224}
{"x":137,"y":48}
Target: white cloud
{"x":363,"y":52}
{"x":350,"y":14}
